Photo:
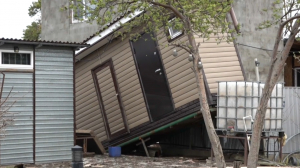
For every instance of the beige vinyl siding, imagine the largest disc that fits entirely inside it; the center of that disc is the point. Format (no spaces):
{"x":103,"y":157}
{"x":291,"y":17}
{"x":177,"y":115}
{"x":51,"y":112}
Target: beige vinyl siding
{"x":110,"y":100}
{"x":88,"y":113}
{"x":178,"y":69}
{"x":220,"y":63}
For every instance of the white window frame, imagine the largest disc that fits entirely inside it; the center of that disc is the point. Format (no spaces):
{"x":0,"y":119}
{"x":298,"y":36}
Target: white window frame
{"x":16,"y":66}
{"x":171,"y":30}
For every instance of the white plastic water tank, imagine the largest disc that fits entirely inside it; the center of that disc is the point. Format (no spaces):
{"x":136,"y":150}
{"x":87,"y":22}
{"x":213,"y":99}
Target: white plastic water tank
{"x":239,"y":99}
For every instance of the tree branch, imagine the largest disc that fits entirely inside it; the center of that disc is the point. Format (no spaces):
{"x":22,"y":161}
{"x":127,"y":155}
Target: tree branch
{"x":176,"y":12}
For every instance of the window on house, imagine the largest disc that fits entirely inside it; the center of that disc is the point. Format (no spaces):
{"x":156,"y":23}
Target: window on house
{"x":83,"y":11}
{"x":297,"y":77}
{"x":173,"y":32}
{"x":20,"y":60}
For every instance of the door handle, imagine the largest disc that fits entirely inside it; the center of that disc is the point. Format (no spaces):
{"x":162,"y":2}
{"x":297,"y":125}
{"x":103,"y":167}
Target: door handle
{"x":157,"y":70}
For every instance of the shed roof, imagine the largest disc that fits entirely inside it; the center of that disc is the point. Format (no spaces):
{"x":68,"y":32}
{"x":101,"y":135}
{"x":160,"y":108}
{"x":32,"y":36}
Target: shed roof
{"x":41,"y":43}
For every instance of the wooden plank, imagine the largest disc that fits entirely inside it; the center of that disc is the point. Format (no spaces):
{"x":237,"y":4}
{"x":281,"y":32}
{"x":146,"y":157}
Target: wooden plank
{"x":115,"y":116}
{"x":135,"y":111}
{"x":232,"y":78}
{"x":222,"y":69}
{"x":99,"y":144}
{"x":217,"y":55}
{"x":132,"y":94}
{"x":224,"y":74}
{"x":178,"y":71}
{"x":139,"y":122}
{"x":182,"y":57}
{"x":131,"y":89}
{"x":87,"y":105}
{"x":113,"y":124}
{"x":215,"y":45}
{"x":125,"y":86}
{"x":184,"y":84}
{"x":128,"y":107}
{"x":214,"y":90}
{"x":184,"y":63}
{"x":127,"y":76}
{"x":220,"y":59}
{"x":187,"y":89}
{"x":186,"y":96}
{"x":91,"y":108}
{"x":217,"y":50}
{"x":221,"y":64}
{"x":177,"y":80}
{"x":185,"y":101}
{"x":132,"y":99}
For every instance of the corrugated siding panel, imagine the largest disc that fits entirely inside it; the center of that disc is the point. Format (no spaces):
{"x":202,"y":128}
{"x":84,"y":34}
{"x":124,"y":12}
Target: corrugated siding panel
{"x":54,"y":104}
{"x":88,"y":113}
{"x":291,"y":124}
{"x":17,"y":145}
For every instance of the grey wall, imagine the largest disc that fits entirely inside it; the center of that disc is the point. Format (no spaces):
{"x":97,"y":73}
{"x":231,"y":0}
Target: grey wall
{"x":57,"y":24}
{"x":54,"y":104}
{"x":16,"y":145}
{"x":249,"y":15}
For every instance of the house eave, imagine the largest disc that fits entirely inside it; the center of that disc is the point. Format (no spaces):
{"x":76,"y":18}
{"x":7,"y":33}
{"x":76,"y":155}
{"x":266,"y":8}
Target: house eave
{"x":98,"y":40}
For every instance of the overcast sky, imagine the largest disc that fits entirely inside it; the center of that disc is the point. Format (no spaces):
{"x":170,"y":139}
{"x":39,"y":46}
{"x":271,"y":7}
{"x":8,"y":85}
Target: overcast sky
{"x":14,"y":17}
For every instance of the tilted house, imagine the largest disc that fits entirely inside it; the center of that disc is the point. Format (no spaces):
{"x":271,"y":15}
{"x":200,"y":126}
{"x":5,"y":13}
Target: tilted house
{"x":125,"y":89}
{"x":40,"y":76}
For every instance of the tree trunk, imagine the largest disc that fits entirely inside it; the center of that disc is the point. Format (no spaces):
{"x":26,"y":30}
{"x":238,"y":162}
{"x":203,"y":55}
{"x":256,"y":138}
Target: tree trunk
{"x":277,"y":65}
{"x":204,"y":108}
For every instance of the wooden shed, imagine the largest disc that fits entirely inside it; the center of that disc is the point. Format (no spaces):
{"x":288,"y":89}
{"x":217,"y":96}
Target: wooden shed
{"x":40,"y":76}
{"x":125,"y":89}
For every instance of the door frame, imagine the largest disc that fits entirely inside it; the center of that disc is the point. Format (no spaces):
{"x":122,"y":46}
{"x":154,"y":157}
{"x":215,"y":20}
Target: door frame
{"x":109,"y":63}
{"x":139,"y":74}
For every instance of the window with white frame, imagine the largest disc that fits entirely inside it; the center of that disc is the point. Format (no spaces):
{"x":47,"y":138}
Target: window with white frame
{"x":173,"y":32}
{"x":16,"y":60}
{"x":82,"y":12}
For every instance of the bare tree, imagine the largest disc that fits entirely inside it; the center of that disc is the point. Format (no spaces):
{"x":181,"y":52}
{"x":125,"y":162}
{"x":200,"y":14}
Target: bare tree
{"x":289,"y":24}
{"x":6,"y":118}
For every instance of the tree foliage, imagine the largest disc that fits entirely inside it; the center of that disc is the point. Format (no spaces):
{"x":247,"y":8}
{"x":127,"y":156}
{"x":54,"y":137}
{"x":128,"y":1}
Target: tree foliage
{"x":35,"y":8}
{"x":33,"y":31}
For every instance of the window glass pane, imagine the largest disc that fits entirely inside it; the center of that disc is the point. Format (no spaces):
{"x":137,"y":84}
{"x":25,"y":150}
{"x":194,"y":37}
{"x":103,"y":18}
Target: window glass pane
{"x":173,"y":31}
{"x":5,"y":58}
{"x":23,"y":59}
{"x":12,"y":58}
{"x":27,"y":59}
{"x":298,"y":76}
{"x":16,"y":58}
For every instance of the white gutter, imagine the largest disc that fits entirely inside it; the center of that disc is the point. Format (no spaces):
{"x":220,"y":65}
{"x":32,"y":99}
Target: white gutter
{"x":109,"y":30}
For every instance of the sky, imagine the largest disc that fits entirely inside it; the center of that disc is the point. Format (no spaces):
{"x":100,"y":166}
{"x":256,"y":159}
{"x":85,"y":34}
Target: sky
{"x":14,"y":17}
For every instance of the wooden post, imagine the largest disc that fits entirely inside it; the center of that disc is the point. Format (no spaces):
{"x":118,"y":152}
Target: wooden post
{"x":237,"y":164}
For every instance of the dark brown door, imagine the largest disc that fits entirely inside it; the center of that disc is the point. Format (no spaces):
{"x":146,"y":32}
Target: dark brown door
{"x":109,"y":100}
{"x":152,"y":77}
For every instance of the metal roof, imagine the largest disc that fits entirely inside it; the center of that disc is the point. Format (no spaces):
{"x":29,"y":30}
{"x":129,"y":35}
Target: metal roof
{"x":41,"y":43}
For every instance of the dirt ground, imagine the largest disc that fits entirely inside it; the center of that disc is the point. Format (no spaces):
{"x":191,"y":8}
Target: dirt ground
{"x":126,"y":161}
